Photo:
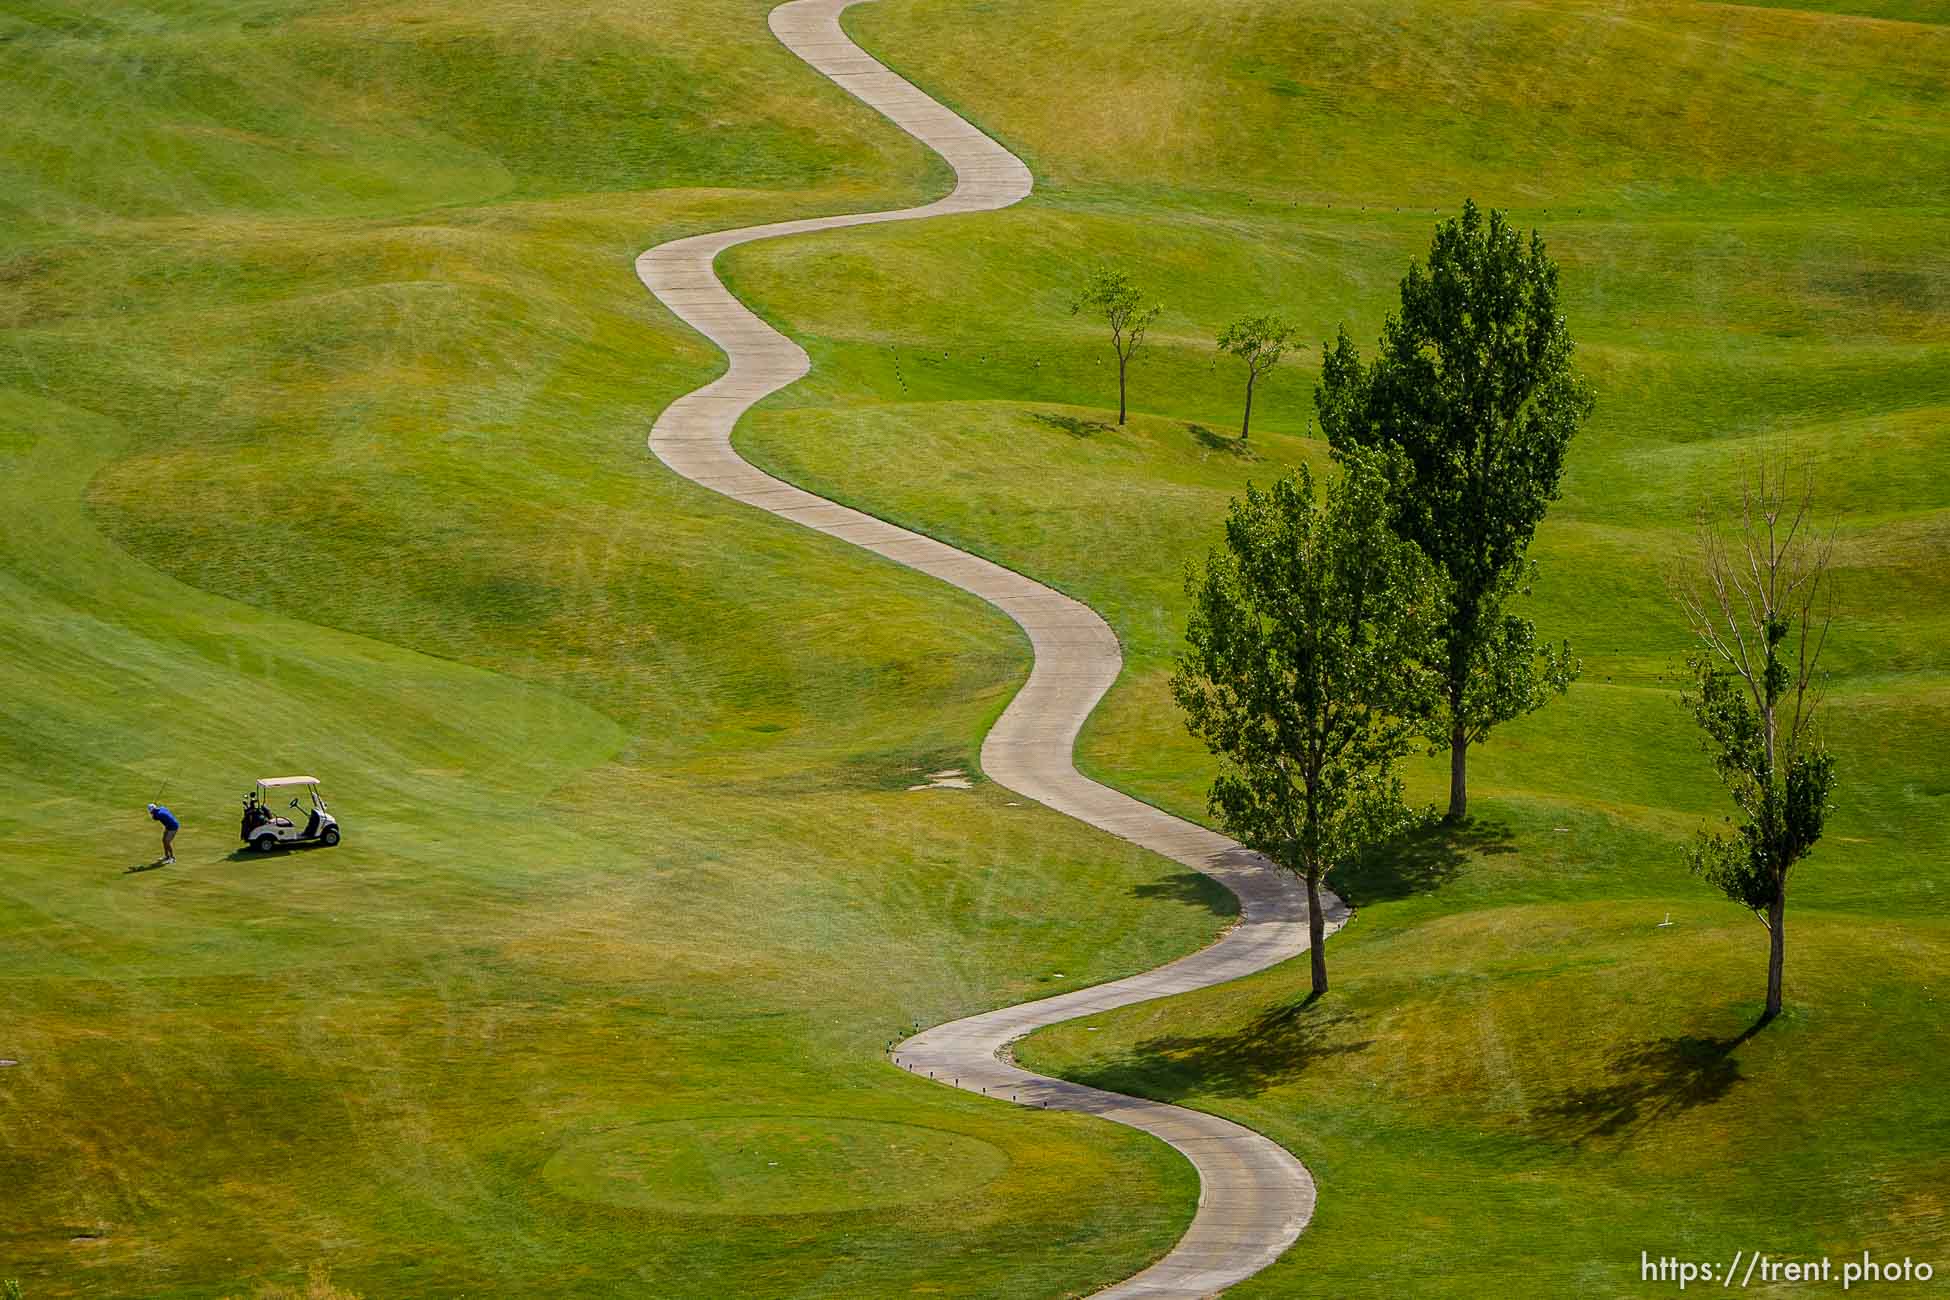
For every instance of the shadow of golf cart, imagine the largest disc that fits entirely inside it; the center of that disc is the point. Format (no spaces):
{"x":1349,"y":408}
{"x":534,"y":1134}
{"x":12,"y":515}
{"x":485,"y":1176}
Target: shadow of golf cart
{"x":266,"y":828}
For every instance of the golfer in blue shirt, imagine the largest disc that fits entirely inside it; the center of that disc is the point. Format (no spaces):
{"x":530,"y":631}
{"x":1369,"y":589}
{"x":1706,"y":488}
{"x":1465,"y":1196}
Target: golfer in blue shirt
{"x":170,"y":826}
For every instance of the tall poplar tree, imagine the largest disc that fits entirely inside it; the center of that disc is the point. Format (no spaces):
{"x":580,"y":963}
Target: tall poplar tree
{"x":1473,"y":386}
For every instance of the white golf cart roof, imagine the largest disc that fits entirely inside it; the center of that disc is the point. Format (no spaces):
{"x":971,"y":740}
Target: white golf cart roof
{"x":287,"y":780}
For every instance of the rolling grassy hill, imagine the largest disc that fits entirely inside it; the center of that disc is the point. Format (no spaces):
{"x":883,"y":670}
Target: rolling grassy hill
{"x":1519,"y":1075}
{"x":322,"y":392}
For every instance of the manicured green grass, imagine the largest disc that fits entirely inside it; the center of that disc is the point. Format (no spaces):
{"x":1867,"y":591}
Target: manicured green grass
{"x":339,"y":467}
{"x":1521,"y":1098}
{"x":322,"y":394}
{"x":1518,"y":1073}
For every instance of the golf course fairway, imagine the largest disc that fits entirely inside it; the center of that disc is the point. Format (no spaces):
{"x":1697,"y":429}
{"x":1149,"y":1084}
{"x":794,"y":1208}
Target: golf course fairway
{"x":1254,"y":1197}
{"x":324,"y":378}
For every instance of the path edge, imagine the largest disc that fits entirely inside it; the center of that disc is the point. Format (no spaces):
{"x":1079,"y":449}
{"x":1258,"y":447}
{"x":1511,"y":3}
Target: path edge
{"x":1255,"y":1196}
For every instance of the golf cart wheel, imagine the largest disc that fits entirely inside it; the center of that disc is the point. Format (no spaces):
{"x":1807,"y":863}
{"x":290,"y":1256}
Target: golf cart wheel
{"x":265,"y":843}
{"x":331,"y":836}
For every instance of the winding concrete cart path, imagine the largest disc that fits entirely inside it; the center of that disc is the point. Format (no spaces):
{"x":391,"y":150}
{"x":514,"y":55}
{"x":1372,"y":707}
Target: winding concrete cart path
{"x":1255,"y":1198}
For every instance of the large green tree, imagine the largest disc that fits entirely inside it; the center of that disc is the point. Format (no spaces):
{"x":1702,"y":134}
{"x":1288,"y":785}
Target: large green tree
{"x":1113,"y":296}
{"x":1758,"y":601}
{"x":1473,"y":386}
{"x":1303,"y":672}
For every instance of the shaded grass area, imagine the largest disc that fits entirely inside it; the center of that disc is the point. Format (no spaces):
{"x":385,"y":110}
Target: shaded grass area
{"x":1534,"y":1087}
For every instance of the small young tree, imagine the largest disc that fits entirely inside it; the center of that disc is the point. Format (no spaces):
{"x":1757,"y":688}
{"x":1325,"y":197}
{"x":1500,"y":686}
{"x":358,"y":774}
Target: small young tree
{"x":1260,"y":342}
{"x":1760,"y":604}
{"x":1111,"y":294}
{"x":1303,"y":675}
{"x":1473,"y":385}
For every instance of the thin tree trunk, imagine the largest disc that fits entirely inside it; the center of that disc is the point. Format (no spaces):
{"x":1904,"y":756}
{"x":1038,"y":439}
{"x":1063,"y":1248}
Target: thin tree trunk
{"x":1246,"y":425}
{"x":1122,"y":364}
{"x":1316,"y":934}
{"x":1776,"y":952}
{"x":1458,"y":773}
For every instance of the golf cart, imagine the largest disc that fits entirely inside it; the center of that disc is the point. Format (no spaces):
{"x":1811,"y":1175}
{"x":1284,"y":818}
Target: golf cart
{"x":265,"y":829}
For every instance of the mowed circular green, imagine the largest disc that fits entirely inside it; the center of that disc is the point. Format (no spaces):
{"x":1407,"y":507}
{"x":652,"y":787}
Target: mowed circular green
{"x":771,"y":1164}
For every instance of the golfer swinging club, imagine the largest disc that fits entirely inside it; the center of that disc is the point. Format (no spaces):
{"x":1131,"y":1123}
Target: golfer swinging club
{"x":170,"y":826}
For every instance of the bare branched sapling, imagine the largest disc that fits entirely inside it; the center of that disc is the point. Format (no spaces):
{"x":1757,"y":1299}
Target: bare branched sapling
{"x":1760,"y":602}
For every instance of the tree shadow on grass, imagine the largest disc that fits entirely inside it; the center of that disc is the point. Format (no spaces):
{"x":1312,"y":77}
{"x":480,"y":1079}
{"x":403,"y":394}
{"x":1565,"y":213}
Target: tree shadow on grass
{"x":1220,"y":442}
{"x":1420,"y":861}
{"x":1192,"y":887}
{"x":1274,"y":1048}
{"x":1650,"y":1082}
{"x":1070,"y":424}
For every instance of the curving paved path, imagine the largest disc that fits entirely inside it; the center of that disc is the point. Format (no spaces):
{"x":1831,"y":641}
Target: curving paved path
{"x":1255,"y":1197}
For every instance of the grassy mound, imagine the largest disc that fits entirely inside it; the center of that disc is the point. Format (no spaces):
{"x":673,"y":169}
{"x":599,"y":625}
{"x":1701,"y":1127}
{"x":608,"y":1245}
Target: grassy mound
{"x":1520,"y":1070}
{"x":323,"y":383}
{"x":323,"y":390}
